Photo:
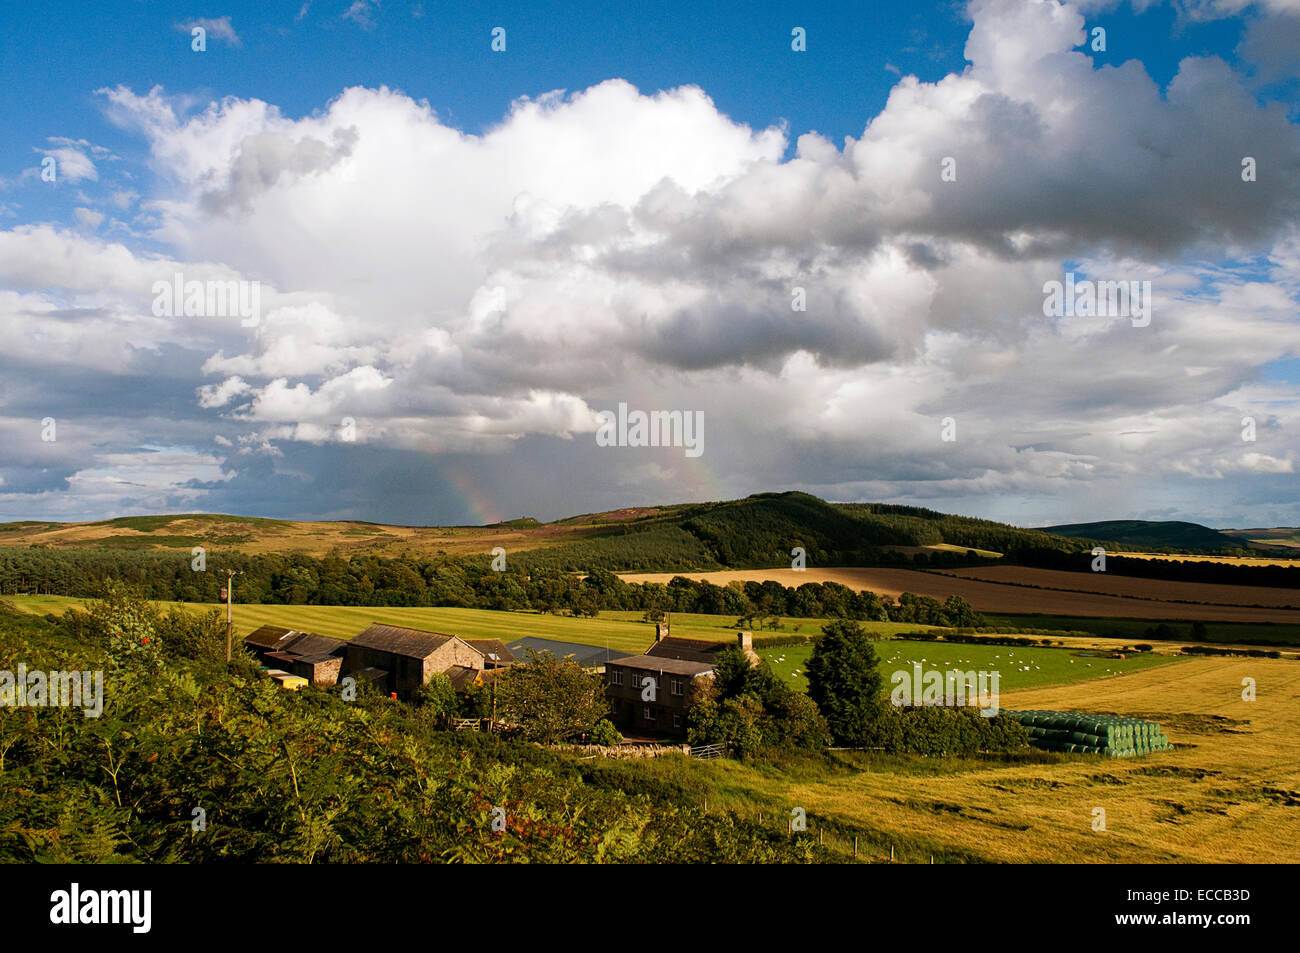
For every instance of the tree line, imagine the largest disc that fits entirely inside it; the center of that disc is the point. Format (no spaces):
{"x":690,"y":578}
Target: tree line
{"x":464,"y":582}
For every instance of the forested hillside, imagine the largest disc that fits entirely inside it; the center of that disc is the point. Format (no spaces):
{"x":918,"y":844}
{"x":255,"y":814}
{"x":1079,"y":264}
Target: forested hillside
{"x":1151,"y":534}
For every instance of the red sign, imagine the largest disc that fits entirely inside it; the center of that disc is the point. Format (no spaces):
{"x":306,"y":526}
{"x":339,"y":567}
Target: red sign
{"x":223,"y":592}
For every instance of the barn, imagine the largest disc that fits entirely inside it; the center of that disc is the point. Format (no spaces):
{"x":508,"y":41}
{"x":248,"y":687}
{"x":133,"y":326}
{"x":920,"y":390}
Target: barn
{"x":410,"y":656}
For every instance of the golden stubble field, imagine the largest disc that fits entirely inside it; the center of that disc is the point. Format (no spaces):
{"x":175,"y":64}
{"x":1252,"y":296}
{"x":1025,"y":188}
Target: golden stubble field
{"x":1275,"y":559}
{"x":988,"y":596}
{"x":1228,"y":793}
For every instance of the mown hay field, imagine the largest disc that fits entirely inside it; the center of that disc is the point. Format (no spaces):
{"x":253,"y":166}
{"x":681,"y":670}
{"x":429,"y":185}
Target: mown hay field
{"x":1227,"y":560}
{"x":1229,"y":791}
{"x":989,"y":596}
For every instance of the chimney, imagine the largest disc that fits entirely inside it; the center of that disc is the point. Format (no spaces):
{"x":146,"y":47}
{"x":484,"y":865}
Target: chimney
{"x":661,"y":631}
{"x":746,"y":640}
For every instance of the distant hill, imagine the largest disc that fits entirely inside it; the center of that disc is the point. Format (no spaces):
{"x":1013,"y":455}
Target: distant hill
{"x":759,"y":531}
{"x":1156,"y":534}
{"x":756,"y":532}
{"x":1278,"y":539}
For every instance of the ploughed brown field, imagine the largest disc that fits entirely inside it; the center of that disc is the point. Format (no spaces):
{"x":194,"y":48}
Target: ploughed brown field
{"x":1132,"y":587}
{"x":996,"y":597}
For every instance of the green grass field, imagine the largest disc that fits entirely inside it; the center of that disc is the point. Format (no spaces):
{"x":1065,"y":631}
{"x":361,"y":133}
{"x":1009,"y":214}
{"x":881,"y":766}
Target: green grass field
{"x":1045,"y":666}
{"x":624,"y":631}
{"x":721,"y":628}
{"x":343,"y":622}
{"x":616,"y":630}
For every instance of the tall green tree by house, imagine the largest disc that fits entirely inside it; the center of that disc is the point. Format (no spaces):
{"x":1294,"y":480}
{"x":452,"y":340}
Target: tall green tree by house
{"x":844,"y":680}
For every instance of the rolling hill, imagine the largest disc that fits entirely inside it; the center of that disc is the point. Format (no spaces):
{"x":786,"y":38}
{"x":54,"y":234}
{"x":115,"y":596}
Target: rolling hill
{"x":755,"y":532}
{"x":1278,"y":539}
{"x":1157,"y":534}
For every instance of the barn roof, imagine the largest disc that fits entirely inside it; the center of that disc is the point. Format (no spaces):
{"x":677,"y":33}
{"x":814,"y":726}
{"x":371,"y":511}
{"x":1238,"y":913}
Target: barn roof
{"x":463,"y":677}
{"x":309,"y":643}
{"x":314,"y":659}
{"x":495,"y":647}
{"x":399,"y":640}
{"x":269,"y":637}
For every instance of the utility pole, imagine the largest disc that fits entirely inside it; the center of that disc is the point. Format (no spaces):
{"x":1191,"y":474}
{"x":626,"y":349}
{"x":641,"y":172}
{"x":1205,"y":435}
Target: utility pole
{"x":230,"y":592}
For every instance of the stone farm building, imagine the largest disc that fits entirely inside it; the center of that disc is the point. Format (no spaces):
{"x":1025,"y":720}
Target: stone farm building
{"x":317,"y":658}
{"x":409,"y":657}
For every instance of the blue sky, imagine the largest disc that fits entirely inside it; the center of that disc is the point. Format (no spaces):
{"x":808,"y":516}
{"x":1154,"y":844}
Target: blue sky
{"x":471,"y":265}
{"x":735,"y":51}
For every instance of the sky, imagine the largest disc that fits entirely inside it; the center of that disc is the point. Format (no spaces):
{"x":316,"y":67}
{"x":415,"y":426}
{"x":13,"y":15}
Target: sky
{"x":827,"y":232}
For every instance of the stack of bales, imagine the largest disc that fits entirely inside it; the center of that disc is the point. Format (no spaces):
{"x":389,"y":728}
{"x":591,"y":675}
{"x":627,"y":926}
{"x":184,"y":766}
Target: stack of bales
{"x":1081,"y":733}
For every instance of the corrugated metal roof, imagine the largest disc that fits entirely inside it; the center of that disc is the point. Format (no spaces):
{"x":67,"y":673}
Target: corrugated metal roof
{"x":399,"y":640}
{"x":309,"y":643}
{"x":584,"y":655}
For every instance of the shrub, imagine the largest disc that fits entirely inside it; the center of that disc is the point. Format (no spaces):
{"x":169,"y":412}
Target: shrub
{"x":604,"y":733}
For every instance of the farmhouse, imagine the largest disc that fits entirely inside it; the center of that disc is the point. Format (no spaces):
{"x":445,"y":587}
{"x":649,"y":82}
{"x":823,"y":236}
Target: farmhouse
{"x":674,"y":668}
{"x":653,"y":694}
{"x":410,"y":657}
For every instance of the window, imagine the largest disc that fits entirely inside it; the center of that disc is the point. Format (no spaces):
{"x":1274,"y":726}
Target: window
{"x":616,"y":677}
{"x":677,"y":720}
{"x":679,"y":686}
{"x":648,"y":713}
